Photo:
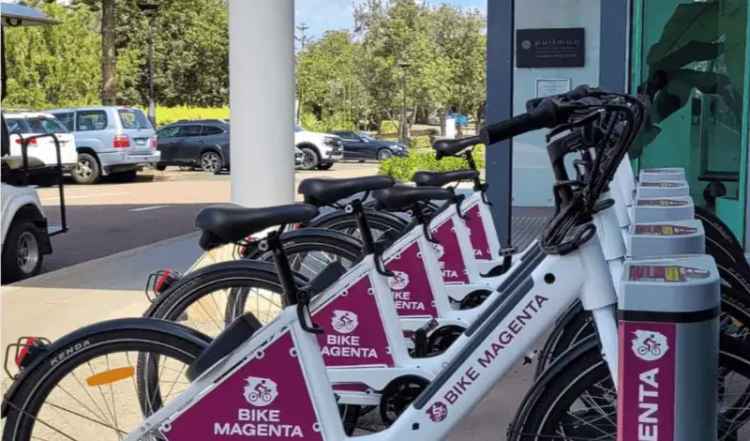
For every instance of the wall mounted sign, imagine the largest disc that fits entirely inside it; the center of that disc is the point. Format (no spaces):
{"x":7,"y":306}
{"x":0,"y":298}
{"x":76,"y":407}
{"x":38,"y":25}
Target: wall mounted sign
{"x":564,"y":47}
{"x":549,"y":87}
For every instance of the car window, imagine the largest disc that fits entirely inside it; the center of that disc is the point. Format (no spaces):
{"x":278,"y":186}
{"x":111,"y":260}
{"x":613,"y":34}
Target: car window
{"x":191,"y":130}
{"x":67,"y":119}
{"x":298,"y":128}
{"x":346,"y":135}
{"x":133,"y":119}
{"x":91,"y":120}
{"x":212,"y":130}
{"x":43,"y":124}
{"x":16,"y":125}
{"x":168,"y":132}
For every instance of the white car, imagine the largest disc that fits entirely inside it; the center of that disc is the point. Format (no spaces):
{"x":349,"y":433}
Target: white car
{"x":23,"y":125}
{"x":320,"y":150}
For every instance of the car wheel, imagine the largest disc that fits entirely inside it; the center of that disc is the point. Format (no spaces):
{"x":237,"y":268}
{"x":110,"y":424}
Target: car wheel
{"x":22,"y":255}
{"x":211,"y":162}
{"x":87,"y":170}
{"x":161,"y":166}
{"x":325,"y":166}
{"x":310,"y":158}
{"x":384,"y":154}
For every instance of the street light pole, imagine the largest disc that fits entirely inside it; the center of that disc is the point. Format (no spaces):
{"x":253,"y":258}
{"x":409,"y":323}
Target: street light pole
{"x":402,"y":127}
{"x":149,"y":10}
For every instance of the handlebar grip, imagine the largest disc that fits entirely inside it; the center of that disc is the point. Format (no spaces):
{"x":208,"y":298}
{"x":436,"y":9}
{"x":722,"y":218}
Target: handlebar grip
{"x":575,"y":94}
{"x":544,"y":115}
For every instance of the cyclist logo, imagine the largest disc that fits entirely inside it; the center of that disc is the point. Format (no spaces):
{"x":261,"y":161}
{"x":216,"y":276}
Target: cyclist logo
{"x":439,"y":250}
{"x":437,"y":412}
{"x":260,"y":392}
{"x":344,"y":322}
{"x":399,"y":281}
{"x":650,"y":345}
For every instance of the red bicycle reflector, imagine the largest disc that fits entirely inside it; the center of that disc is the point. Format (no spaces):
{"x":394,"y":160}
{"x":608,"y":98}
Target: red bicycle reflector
{"x":23,"y":352}
{"x":162,"y":282}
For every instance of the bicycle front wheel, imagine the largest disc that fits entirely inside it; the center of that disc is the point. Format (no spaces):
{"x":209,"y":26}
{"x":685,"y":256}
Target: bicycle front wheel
{"x":96,"y":393}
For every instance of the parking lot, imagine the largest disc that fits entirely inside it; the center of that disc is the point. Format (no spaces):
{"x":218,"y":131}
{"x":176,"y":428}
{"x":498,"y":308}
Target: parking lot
{"x":108,"y":218}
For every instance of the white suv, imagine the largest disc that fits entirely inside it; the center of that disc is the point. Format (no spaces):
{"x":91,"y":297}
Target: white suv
{"x":320,"y":150}
{"x":22,"y":125}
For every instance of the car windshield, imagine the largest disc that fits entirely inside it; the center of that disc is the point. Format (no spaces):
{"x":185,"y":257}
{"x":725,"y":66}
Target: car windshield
{"x":365,"y":136}
{"x":133,"y":119}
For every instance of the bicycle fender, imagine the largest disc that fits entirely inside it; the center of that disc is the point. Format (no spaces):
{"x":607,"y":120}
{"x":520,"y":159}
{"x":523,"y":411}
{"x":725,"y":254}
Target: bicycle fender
{"x":67,"y":344}
{"x":396,"y":221}
{"x":232,"y":265}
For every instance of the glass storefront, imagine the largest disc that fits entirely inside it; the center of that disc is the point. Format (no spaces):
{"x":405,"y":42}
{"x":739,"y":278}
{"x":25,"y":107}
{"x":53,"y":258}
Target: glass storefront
{"x":693,"y":55}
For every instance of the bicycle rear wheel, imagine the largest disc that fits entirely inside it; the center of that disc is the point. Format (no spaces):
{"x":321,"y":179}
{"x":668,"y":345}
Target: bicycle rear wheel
{"x":578,"y":400}
{"x":96,"y":392}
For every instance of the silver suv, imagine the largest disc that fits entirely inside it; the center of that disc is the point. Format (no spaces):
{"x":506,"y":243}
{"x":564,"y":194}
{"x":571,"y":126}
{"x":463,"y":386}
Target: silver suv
{"x":110,"y":140}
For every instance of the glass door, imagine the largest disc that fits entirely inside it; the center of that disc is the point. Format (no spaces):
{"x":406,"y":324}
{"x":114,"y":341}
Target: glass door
{"x":693,"y":57}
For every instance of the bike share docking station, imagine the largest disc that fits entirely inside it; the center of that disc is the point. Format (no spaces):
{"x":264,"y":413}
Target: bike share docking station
{"x":668,"y":322}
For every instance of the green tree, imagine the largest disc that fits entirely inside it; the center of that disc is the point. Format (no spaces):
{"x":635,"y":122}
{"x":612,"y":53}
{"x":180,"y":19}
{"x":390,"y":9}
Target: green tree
{"x":54,"y":65}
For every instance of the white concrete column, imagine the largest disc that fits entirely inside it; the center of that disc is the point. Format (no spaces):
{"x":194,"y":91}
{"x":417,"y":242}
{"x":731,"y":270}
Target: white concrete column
{"x":261,"y":99}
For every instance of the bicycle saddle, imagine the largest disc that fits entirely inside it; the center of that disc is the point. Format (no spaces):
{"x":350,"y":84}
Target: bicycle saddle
{"x":229,"y":223}
{"x":404,"y":197}
{"x":327,"y":191}
{"x":450,"y":147}
{"x":438,"y":179}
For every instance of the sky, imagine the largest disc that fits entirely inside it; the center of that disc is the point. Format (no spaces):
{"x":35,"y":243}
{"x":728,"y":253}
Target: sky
{"x":326,"y":15}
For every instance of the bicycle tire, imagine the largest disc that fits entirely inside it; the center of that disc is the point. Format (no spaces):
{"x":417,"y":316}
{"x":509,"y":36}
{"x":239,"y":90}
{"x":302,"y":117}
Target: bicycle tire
{"x":382,"y":223}
{"x":581,"y":372}
{"x":34,"y":390}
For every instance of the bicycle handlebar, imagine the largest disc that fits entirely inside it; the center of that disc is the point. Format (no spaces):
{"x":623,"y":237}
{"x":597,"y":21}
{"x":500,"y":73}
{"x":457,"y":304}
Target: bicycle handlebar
{"x":548,"y":113}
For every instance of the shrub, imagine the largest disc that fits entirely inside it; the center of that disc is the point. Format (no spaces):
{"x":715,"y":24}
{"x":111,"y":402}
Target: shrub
{"x":337,"y":121}
{"x":420,"y":142}
{"x":168,"y":115}
{"x":403,"y":168}
{"x":388,"y":127}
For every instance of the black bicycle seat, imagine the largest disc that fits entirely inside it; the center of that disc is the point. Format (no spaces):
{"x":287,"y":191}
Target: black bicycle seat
{"x":321,"y":192}
{"x":230,"y":223}
{"x":451,"y":147}
{"x":404,"y":197}
{"x":438,"y":179}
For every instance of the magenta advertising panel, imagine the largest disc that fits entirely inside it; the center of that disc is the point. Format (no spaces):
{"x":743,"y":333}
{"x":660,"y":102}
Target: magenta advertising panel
{"x":353,"y":330}
{"x":646,"y":402}
{"x":411,"y":288}
{"x":449,"y":254}
{"x":478,"y":235}
{"x":266,"y":399}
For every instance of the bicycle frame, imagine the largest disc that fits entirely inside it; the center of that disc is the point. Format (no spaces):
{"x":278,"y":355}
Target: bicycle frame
{"x":212,"y":407}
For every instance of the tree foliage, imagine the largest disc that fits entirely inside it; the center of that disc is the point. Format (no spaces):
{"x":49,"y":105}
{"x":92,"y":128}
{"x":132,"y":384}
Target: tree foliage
{"x":62,"y":65}
{"x":344,"y":78}
{"x":432,"y":58}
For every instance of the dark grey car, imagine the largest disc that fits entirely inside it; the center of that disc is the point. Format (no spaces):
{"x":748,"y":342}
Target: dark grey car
{"x":360,"y":146}
{"x":202,"y":143}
